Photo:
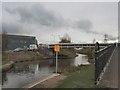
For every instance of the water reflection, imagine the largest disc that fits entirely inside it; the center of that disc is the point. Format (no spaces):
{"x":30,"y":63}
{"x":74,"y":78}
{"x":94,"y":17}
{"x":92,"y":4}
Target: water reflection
{"x":81,"y":59}
{"x":24,"y":73}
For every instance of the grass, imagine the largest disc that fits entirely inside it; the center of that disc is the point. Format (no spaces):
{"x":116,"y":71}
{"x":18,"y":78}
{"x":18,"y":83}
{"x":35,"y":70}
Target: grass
{"x":18,"y":56}
{"x":4,"y":62}
{"x":68,"y":53}
{"x":82,"y":78}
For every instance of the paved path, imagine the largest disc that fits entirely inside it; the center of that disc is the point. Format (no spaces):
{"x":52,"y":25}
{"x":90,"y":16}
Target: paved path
{"x":38,"y":82}
{"x":110,"y":77}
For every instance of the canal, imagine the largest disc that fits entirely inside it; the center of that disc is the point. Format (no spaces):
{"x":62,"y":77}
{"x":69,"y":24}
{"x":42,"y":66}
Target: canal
{"x":25,"y":73}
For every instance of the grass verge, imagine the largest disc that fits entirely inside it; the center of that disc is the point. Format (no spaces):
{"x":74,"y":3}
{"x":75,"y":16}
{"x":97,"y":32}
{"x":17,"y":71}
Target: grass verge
{"x":4,"y":62}
{"x":82,"y":78}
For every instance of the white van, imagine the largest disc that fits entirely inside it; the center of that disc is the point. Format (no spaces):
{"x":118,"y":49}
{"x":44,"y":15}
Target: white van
{"x":33,"y":47}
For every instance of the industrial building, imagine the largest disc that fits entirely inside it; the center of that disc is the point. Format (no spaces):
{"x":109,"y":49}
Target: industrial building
{"x":19,"y":41}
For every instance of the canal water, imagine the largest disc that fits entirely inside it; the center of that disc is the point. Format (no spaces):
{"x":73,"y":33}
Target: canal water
{"x":25,"y":73}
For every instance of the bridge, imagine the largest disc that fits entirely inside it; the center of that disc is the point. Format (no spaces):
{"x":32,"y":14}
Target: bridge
{"x":75,"y":45}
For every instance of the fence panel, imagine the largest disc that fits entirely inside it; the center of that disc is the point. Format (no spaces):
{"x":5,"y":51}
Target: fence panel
{"x":101,"y":58}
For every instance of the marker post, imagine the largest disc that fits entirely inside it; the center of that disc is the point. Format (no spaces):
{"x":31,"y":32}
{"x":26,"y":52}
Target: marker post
{"x":57,"y":49}
{"x":56,"y":62}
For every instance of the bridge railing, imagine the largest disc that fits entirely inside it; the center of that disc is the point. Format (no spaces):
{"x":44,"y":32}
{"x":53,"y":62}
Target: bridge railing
{"x":71,"y":45}
{"x":101,"y":58}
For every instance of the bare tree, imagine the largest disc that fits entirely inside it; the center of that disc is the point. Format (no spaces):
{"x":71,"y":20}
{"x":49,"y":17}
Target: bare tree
{"x":65,"y":39}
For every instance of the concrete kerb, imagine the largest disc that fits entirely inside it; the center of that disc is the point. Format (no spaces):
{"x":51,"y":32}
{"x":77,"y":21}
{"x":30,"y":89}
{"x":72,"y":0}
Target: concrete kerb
{"x":101,"y":75}
{"x":38,"y":82}
{"x":6,"y":66}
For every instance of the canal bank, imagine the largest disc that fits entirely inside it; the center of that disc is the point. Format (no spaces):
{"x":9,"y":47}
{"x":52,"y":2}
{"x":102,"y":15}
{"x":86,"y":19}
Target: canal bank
{"x":80,"y":77}
{"x":77,"y":77}
{"x":51,"y":82}
{"x":7,"y":66}
{"x":25,"y":56}
{"x":69,"y":75}
{"x":41,"y":54}
{"x":24,"y":73}
{"x":43,"y":81}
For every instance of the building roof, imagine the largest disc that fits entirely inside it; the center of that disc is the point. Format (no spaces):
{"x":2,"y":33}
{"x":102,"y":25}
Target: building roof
{"x":21,"y":36}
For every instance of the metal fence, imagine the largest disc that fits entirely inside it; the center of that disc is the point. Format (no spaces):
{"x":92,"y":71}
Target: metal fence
{"x":101,"y":58}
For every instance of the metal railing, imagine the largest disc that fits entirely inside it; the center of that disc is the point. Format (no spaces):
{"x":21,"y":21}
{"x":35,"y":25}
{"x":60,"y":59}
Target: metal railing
{"x":101,"y":58}
{"x":74,"y":45}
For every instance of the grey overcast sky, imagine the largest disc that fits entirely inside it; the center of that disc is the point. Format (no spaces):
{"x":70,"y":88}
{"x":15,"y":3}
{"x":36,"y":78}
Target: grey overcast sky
{"x":82,"y":21}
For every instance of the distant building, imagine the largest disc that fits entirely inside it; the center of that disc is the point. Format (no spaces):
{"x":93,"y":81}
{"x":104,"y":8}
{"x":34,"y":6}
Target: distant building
{"x":19,"y":41}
